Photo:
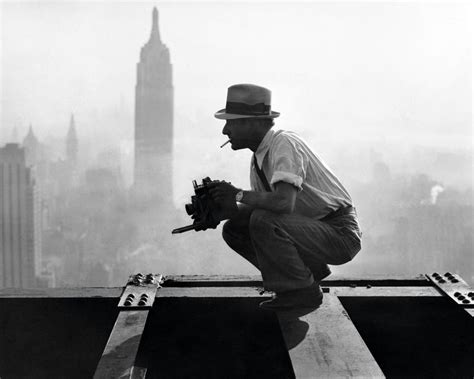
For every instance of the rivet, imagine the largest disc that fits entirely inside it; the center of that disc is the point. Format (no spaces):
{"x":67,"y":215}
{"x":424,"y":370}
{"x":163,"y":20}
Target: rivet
{"x":442,"y":281}
{"x":457,"y":294}
{"x":127,"y":303}
{"x":461,"y":297}
{"x":435,"y":274}
{"x":142,"y":302}
{"x":470,"y":294}
{"x":467,"y":301}
{"x":131,"y":296}
{"x":144,"y":296}
{"x":454,"y":281}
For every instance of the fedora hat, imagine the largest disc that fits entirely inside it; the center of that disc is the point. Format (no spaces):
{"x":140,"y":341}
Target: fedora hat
{"x":245,"y":101}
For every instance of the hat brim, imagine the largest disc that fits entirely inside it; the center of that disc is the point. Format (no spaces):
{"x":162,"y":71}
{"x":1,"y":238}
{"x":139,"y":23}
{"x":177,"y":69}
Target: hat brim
{"x":222,"y":115}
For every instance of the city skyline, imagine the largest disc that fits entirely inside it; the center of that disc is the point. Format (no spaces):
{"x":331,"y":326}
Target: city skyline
{"x":388,"y":108}
{"x":415,"y":79}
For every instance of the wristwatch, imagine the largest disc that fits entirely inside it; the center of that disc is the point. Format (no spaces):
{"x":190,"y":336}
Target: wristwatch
{"x":239,"y":195}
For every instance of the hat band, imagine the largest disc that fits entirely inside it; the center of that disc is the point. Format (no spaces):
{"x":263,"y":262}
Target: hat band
{"x":247,"y":109}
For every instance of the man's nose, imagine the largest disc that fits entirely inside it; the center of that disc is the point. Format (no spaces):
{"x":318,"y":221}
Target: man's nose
{"x":225,"y":130}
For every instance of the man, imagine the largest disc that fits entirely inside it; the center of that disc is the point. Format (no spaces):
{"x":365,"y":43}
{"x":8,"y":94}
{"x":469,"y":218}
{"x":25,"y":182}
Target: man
{"x":297,"y":218}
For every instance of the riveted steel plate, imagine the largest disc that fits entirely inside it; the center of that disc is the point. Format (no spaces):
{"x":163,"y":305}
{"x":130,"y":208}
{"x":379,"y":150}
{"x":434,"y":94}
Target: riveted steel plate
{"x":454,"y":287}
{"x":140,"y":292}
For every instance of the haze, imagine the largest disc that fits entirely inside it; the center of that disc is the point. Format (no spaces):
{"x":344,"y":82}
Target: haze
{"x":364,"y":83}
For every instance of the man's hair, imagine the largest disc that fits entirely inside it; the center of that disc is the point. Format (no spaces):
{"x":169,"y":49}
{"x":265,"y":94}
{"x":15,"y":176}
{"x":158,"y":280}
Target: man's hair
{"x":267,"y":122}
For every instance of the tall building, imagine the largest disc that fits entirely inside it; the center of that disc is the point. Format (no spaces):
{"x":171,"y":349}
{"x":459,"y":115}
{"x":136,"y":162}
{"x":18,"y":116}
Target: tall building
{"x":154,"y":118}
{"x":32,"y":148}
{"x":67,"y":171}
{"x":72,"y":144}
{"x":20,"y":221}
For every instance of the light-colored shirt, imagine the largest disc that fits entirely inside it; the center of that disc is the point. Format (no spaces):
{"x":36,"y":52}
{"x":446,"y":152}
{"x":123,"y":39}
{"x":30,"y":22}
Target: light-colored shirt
{"x":284,"y":156}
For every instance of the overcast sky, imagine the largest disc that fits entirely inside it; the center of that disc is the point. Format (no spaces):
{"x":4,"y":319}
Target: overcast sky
{"x":351,"y":77}
{"x":368,"y":69}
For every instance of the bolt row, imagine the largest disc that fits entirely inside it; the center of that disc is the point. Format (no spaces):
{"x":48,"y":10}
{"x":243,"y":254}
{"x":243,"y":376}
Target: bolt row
{"x":464,"y":299}
{"x":142,"y":301}
{"x":148,"y":279}
{"x":448,"y":276}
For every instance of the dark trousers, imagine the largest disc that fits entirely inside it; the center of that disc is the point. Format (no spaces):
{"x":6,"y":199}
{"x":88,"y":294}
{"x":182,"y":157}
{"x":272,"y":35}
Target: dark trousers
{"x":292,"y":251}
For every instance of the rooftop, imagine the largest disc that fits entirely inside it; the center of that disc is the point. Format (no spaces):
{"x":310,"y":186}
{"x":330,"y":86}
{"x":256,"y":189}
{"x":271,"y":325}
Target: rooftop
{"x":211,"y":326}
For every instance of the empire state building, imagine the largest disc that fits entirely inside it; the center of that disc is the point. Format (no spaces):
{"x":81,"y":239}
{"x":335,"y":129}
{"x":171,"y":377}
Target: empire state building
{"x":154,"y":118}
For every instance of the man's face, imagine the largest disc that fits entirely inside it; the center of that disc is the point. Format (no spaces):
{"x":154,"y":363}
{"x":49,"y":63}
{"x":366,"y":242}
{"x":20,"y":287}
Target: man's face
{"x":241,"y":133}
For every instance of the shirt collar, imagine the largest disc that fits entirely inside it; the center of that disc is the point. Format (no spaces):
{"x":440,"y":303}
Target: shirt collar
{"x":262,"y":149}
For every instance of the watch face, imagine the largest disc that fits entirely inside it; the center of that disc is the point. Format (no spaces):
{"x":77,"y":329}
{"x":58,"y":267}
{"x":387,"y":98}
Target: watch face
{"x":239,"y":196}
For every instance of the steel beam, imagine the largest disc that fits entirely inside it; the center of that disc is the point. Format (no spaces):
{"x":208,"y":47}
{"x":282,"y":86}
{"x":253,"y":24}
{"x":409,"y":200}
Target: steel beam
{"x":455,"y":288}
{"x":326,"y":344}
{"x":218,"y":291}
{"x":118,"y":358}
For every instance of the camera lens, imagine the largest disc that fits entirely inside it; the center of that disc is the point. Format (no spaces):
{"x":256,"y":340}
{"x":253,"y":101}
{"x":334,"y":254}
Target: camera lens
{"x":190,"y":209}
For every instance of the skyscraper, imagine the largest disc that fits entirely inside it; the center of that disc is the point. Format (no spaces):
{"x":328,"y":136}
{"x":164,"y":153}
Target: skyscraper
{"x":154,"y":118}
{"x":32,"y":148}
{"x":72,"y":143}
{"x":20,"y":221}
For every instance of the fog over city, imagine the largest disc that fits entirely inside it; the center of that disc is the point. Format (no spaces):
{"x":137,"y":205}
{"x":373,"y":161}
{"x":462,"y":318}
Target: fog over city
{"x":381,"y":91}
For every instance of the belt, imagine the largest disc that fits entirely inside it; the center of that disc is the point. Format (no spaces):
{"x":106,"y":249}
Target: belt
{"x":340,"y":212}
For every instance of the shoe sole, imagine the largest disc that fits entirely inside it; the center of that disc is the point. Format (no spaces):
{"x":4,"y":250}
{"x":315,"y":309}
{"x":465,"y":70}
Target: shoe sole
{"x":276,"y":308}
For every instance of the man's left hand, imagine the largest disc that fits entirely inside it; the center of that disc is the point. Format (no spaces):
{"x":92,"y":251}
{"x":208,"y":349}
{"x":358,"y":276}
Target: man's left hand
{"x":223,"y":193}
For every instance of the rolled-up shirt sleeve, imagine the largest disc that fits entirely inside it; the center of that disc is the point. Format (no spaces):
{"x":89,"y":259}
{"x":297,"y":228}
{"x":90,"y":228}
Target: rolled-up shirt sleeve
{"x":288,"y":163}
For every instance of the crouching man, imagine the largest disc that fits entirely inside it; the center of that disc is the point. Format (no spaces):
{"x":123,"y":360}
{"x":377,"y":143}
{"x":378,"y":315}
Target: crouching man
{"x":297,"y":218}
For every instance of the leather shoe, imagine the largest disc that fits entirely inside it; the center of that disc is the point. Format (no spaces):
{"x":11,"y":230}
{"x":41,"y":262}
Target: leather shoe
{"x":309,"y":298}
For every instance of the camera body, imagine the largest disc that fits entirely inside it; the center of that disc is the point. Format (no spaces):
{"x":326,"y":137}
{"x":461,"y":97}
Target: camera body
{"x":200,"y":208}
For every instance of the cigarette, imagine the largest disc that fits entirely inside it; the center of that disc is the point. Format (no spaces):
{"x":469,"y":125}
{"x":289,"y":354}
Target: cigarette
{"x":225,"y":144}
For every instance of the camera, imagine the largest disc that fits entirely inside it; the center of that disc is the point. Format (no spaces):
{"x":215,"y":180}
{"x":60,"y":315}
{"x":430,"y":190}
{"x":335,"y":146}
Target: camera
{"x":200,"y":208}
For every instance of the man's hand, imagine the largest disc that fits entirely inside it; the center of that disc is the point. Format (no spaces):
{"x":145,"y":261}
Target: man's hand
{"x":223,"y":194}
